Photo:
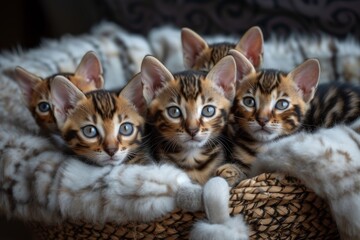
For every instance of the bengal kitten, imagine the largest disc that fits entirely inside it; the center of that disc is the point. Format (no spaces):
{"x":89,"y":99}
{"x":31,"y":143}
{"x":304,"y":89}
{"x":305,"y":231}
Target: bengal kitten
{"x":187,"y":114}
{"x":268,"y":104}
{"x":102,"y":127}
{"x":199,"y":55}
{"x":271,"y":104}
{"x":36,"y":90}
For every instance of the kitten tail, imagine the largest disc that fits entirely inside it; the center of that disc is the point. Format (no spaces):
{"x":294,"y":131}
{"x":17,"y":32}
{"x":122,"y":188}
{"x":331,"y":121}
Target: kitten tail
{"x":219,"y":224}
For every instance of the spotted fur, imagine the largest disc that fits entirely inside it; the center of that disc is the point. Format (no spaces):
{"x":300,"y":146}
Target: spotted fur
{"x":36,"y":90}
{"x":101,"y":126}
{"x":187,"y":115}
{"x":200,"y":55}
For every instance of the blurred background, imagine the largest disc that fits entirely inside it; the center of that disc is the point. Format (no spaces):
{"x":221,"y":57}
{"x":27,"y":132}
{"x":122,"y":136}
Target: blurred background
{"x":24,"y":23}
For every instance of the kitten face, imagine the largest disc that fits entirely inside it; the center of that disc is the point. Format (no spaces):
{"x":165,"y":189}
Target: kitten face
{"x":104,"y":128}
{"x":271,"y":103}
{"x":267,"y":105}
{"x":189,"y":111}
{"x":36,"y":91}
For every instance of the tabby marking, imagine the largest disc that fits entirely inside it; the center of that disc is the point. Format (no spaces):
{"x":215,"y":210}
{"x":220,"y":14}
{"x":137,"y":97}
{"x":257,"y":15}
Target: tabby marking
{"x":188,"y":112}
{"x":101,"y":126}
{"x":36,"y":90}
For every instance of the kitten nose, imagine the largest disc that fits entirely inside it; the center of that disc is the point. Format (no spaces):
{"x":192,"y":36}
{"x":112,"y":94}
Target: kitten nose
{"x":262,"y":121}
{"x":192,"y":131}
{"x":111,"y":150}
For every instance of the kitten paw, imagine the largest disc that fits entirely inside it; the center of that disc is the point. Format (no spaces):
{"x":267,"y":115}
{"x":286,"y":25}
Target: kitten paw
{"x":231,"y":173}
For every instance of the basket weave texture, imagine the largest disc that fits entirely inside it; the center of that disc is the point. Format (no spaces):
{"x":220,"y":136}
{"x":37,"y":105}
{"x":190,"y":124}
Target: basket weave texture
{"x":273,"y":205}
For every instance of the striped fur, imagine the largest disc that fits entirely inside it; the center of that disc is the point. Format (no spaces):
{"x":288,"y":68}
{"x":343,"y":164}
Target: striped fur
{"x":36,"y":90}
{"x":191,"y":139}
{"x":101,"y":126}
{"x":253,"y":127}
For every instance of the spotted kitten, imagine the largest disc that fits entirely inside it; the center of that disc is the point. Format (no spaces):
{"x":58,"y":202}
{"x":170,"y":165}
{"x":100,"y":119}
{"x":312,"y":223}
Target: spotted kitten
{"x":199,"y":55}
{"x":187,"y":114}
{"x":36,"y":90}
{"x":326,"y":161}
{"x":100,"y":126}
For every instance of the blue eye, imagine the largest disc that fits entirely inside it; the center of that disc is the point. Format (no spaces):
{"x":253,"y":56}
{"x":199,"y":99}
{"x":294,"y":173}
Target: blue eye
{"x":89,"y":131}
{"x":282,"y":104}
{"x":126,"y":129}
{"x":44,"y":107}
{"x":249,"y":101}
{"x":208,"y":111}
{"x":174,"y":112}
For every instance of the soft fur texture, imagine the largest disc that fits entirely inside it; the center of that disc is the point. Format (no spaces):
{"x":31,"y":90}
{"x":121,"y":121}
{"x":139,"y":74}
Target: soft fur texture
{"x":219,"y":224}
{"x":328,"y":162}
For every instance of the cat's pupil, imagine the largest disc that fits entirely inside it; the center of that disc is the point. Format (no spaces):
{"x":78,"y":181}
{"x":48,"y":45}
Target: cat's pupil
{"x":126,"y":129}
{"x":249,"y":101}
{"x":89,"y":131}
{"x":208,"y":111}
{"x":44,"y":107}
{"x":174,"y":112}
{"x":282,"y":104}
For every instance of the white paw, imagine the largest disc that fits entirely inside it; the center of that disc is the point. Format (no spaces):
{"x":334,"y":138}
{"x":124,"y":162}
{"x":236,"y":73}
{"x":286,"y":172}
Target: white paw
{"x":232,"y":229}
{"x":189,"y":197}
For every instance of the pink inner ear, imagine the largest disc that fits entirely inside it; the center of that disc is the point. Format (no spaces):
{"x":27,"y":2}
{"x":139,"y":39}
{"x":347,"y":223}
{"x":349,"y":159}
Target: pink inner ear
{"x":193,"y":45}
{"x":251,"y":45}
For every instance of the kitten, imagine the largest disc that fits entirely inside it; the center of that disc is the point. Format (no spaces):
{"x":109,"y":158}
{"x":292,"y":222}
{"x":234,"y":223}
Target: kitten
{"x":36,"y":91}
{"x":101,"y":126}
{"x":199,"y":55}
{"x":187,"y":114}
{"x":268,"y":104}
{"x":326,"y":161}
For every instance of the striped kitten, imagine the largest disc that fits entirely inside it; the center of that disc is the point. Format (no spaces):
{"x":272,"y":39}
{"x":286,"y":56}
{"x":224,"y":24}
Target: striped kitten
{"x":268,"y":107}
{"x":36,"y":90}
{"x":200,"y":55}
{"x":100,"y":126}
{"x":187,"y":114}
{"x":268,"y":104}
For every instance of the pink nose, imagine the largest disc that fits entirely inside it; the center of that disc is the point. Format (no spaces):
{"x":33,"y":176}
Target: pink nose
{"x":192,"y":131}
{"x":111,"y":151}
{"x":262,"y":121}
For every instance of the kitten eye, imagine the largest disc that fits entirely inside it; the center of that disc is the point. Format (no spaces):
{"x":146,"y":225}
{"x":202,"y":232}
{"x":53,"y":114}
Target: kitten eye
{"x":282,"y":104}
{"x":89,"y":131}
{"x":249,"y":101}
{"x":126,"y":129}
{"x":174,"y":112}
{"x":208,"y":111}
{"x":44,"y":107}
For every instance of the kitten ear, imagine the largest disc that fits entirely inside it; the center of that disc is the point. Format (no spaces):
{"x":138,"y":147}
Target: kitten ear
{"x":223,"y":74}
{"x":306,"y":76}
{"x":133,"y":91}
{"x":153,"y":75}
{"x":251,"y":45}
{"x":64,"y":97}
{"x":90,"y":69}
{"x":243,"y":65}
{"x":192,"y":46}
{"x":27,"y":82}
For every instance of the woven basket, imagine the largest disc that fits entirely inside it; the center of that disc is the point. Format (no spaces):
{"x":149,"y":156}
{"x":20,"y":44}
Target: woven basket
{"x":275,"y":207}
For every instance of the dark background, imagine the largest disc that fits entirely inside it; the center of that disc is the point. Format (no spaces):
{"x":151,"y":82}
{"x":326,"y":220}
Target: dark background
{"x":24,"y":23}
